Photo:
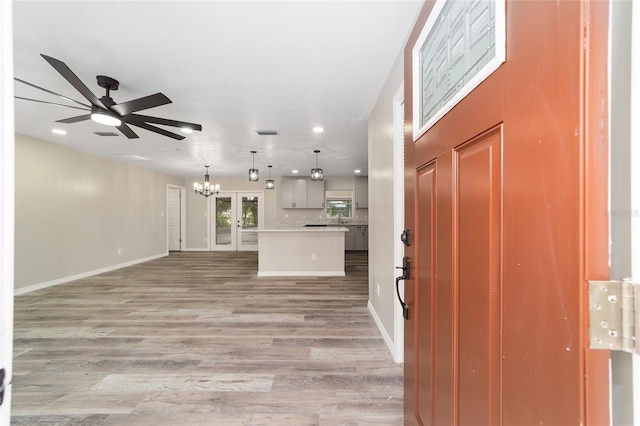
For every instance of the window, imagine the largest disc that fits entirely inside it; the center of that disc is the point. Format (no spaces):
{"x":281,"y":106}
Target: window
{"x":339,"y":203}
{"x":339,"y":207}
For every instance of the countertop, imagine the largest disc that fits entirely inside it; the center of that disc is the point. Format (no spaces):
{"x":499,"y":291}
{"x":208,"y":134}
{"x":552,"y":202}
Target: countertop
{"x":329,"y":228}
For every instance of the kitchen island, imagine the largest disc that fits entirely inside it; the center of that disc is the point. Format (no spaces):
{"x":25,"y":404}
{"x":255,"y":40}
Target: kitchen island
{"x":301,"y":251}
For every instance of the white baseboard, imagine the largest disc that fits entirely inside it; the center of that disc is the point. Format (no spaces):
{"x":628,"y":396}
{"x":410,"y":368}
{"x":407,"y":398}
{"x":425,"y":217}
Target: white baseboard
{"x":196,"y":249}
{"x":301,"y":274}
{"x":34,"y":287}
{"x":385,"y":335}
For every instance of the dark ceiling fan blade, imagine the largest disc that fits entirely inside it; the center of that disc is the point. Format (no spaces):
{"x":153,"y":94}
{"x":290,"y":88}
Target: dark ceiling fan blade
{"x":49,"y":91}
{"x":155,"y":129}
{"x":66,"y":72}
{"x":51,"y":103}
{"x":139,"y":104}
{"x":166,"y":122}
{"x":126,"y":130}
{"x":75,"y":119}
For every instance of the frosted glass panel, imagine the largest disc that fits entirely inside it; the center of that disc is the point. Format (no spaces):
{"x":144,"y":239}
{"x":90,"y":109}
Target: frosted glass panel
{"x":461,"y":44}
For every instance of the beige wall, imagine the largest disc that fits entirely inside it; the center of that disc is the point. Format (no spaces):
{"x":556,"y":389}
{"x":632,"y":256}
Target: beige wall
{"x":381,"y":195}
{"x":74,"y":211}
{"x":273,"y":214}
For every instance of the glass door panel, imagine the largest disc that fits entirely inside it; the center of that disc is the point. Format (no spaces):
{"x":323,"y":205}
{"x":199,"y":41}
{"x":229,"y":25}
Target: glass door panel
{"x":250,"y":219}
{"x":224,"y":221}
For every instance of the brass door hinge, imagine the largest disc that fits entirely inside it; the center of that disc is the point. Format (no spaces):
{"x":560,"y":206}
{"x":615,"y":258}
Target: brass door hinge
{"x":614,"y":315}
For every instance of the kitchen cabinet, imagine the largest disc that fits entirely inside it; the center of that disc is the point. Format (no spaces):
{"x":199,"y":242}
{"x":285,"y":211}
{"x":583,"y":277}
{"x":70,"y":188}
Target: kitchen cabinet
{"x":315,"y":194}
{"x":361,"y":238}
{"x":301,"y":194}
{"x":349,"y":239}
{"x":357,"y":238}
{"x":362,"y":192}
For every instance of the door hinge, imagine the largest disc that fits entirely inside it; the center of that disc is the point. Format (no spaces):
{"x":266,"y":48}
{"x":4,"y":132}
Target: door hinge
{"x":614,"y":315}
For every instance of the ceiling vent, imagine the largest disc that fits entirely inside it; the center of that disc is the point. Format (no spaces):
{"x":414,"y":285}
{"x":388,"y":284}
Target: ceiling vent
{"x":105,"y":134}
{"x":267,"y":132}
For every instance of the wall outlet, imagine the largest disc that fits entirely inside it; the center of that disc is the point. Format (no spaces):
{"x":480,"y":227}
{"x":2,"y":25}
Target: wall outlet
{"x":161,"y":214}
{"x":313,"y":256}
{"x":119,"y":251}
{"x":378,"y":288}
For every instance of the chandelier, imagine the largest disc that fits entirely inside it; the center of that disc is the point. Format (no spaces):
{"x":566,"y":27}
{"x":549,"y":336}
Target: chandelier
{"x":207,"y":189}
{"x":317,"y":173}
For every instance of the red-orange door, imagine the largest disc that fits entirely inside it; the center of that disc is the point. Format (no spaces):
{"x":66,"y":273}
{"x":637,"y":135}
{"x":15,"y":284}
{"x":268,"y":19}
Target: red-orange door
{"x":505,"y":195}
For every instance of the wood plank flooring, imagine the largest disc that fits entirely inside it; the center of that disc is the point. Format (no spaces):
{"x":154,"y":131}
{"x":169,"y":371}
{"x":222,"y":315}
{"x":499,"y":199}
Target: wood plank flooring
{"x":196,"y":338}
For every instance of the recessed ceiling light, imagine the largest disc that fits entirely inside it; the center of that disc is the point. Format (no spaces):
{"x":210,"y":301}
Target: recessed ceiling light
{"x":318,"y":129}
{"x":59,"y":131}
{"x":357,"y":171}
{"x":187,"y":130}
{"x":294,"y":171}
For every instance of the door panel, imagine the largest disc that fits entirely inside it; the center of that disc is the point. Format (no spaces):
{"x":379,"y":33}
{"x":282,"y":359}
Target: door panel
{"x":249,"y":218}
{"x":506,"y":335}
{"x":424,"y":313}
{"x":224,"y":222}
{"x":174,"y":218}
{"x":477,"y":213}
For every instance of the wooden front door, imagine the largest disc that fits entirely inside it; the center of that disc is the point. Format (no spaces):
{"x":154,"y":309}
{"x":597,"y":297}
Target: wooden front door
{"x":506,"y":197}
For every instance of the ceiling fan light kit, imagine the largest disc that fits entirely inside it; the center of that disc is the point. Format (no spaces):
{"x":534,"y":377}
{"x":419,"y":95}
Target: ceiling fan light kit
{"x":106,"y":111}
{"x":105,"y":117}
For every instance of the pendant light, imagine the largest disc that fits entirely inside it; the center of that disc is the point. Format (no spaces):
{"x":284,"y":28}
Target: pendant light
{"x":270,"y":183}
{"x":207,"y":189}
{"x":317,"y":173}
{"x":254,"y":174}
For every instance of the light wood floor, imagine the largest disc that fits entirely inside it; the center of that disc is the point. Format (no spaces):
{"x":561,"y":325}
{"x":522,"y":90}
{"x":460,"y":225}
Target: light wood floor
{"x":197,"y":338}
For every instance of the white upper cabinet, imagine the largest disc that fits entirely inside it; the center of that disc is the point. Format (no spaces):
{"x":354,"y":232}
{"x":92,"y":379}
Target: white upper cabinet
{"x":301,"y":194}
{"x":362,"y":192}
{"x":315,"y":194}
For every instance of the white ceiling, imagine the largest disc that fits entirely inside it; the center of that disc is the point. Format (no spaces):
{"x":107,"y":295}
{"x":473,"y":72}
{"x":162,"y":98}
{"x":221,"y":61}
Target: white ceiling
{"x":233,"y":66}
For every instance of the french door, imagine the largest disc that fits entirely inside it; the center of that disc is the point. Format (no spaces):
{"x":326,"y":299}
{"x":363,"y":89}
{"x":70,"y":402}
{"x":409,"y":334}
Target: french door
{"x":235,"y":219}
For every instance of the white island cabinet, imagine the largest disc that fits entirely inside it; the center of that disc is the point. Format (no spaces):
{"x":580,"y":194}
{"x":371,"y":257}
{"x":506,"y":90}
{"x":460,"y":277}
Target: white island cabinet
{"x":301,"y":251}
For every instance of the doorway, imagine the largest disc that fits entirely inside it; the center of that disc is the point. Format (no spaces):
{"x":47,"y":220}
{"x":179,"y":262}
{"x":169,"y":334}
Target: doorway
{"x":175,"y":218}
{"x":398,"y":215}
{"x":235,"y":219}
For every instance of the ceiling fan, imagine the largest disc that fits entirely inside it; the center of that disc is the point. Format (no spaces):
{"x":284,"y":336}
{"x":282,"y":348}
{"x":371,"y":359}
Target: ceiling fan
{"x":106,"y":111}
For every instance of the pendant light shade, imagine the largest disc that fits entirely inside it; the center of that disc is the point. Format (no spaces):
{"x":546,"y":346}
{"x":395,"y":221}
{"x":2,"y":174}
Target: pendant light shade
{"x":317,"y":173}
{"x":254,"y":174}
{"x":270,"y":183}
